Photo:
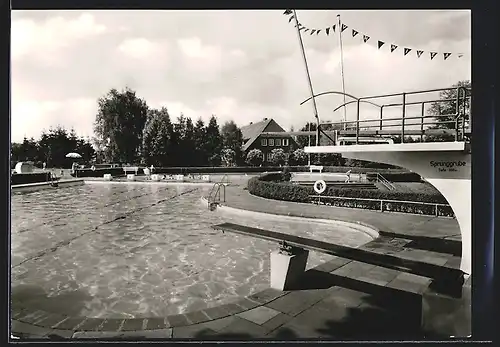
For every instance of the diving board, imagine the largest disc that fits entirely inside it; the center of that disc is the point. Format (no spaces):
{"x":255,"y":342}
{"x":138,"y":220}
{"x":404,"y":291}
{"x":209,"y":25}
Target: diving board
{"x":435,"y":272}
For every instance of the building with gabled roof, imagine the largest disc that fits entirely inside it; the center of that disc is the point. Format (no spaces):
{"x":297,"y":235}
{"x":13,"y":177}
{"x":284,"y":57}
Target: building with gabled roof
{"x":254,"y":136}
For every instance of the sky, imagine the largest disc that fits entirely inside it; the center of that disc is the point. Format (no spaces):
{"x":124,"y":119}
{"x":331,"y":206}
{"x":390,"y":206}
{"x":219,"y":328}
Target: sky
{"x":239,"y":65}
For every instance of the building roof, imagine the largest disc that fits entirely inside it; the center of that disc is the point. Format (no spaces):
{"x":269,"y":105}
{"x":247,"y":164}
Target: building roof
{"x":254,"y":129}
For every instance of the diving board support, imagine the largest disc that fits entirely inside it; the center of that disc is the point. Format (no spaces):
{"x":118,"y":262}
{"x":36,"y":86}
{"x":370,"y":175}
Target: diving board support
{"x":287,"y":265}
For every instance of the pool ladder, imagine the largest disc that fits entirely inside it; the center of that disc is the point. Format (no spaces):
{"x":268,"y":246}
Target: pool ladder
{"x":214,"y":198}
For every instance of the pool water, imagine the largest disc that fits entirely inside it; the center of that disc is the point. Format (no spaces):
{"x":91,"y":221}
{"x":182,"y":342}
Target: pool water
{"x":134,"y":251}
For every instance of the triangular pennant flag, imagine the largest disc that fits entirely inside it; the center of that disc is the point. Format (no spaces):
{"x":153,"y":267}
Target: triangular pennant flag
{"x":446,"y":55}
{"x":365,"y":38}
{"x":290,"y":19}
{"x":287,"y":12}
{"x":433,"y":54}
{"x":354,"y":33}
{"x":407,"y":50}
{"x":307,"y":29}
{"x":327,"y":31}
{"x":393,"y":48}
{"x":380,"y":44}
{"x":333,"y":28}
{"x":344,"y":27}
{"x":313,"y":31}
{"x":301,"y":27}
{"x":317,"y":31}
{"x":419,"y":53}
{"x":460,"y":55}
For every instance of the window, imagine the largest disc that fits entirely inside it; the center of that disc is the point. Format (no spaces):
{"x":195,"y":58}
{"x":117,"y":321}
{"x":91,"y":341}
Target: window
{"x":271,"y":142}
{"x":286,"y":142}
{"x":278,"y":142}
{"x":263,"y":142}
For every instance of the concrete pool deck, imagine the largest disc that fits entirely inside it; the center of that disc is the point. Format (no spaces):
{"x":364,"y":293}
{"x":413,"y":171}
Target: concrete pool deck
{"x":339,"y":299}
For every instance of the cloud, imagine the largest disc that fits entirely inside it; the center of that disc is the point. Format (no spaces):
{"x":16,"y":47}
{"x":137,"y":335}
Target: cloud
{"x":46,"y":40}
{"x":241,"y":65}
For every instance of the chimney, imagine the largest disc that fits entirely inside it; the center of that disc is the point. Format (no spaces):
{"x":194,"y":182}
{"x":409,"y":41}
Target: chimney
{"x":251,"y":123}
{"x":265,"y":118}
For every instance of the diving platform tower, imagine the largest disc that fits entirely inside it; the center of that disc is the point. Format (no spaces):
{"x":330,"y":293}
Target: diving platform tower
{"x":436,"y":146}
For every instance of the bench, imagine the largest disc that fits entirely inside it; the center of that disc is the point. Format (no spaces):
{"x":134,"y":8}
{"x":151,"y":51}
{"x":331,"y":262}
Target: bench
{"x":317,"y":168}
{"x":131,"y":169}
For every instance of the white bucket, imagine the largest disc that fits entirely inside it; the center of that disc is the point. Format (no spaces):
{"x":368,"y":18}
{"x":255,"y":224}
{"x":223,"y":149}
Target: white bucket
{"x":107,"y":177}
{"x":130,"y":177}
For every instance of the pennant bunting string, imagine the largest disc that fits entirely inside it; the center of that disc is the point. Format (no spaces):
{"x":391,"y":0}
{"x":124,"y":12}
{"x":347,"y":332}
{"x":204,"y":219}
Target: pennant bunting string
{"x":356,"y":33}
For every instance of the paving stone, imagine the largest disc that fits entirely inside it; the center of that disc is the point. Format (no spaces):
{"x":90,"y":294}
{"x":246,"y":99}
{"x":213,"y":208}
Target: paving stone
{"x":243,"y":327}
{"x":145,"y":334}
{"x":216,"y":312}
{"x":406,"y":286}
{"x":50,"y":320}
{"x":91,"y":324}
{"x":178,"y":320}
{"x":232,"y":308}
{"x":346,"y":297}
{"x":266,"y":295}
{"x":156,"y":323}
{"x":332,"y":264}
{"x":193,"y":331}
{"x":134,"y":324}
{"x":18,"y":312}
{"x":218,"y":324}
{"x":25,"y":328}
{"x":197,"y":317}
{"x":353,"y":269}
{"x":247,"y":303}
{"x":277,"y":321}
{"x":292,"y":330}
{"x":33,"y":316}
{"x":298,"y":301}
{"x":379,"y":275}
{"x":259,"y":315}
{"x":55,"y":333}
{"x":111,"y":325}
{"x":320,"y":317}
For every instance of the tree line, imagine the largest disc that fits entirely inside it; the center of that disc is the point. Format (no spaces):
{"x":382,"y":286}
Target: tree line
{"x":128,"y":131}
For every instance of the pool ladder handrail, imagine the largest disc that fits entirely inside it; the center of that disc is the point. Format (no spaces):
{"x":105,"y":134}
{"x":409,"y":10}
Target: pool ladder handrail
{"x":214,"y":198}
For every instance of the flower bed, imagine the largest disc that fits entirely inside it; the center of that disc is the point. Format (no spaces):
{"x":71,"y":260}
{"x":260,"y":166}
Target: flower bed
{"x":26,"y":178}
{"x":272,"y":186}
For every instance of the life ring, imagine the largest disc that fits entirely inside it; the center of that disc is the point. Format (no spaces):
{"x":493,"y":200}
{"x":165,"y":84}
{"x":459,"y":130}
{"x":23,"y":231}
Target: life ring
{"x":93,"y":168}
{"x":319,"y":186}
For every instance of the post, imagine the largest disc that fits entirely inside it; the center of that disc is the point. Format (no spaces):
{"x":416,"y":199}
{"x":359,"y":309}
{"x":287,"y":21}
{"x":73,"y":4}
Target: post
{"x":422,"y":122}
{"x":403,"y":120}
{"x":381,"y":115}
{"x":342,"y":67}
{"x":357,"y":122}
{"x":381,"y":205}
{"x":287,"y":266}
{"x":436,"y":210}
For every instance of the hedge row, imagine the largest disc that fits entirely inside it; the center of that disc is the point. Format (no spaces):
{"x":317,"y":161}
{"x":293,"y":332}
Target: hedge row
{"x":26,"y":178}
{"x":115,"y":172}
{"x":429,"y":210}
{"x":271,"y":186}
{"x":278,"y":190}
{"x":385,"y":195}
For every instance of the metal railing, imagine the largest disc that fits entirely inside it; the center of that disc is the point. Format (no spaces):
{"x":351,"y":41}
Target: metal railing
{"x":457,"y":123}
{"x":214,"y":197}
{"x":318,"y":198}
{"x":385,"y":182}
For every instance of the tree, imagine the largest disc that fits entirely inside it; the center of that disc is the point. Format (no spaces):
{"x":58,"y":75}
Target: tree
{"x":188,"y":142}
{"x":445,"y":112}
{"x":278,"y":157}
{"x":119,"y":125}
{"x":232,"y":138}
{"x":28,"y":150}
{"x":200,"y":154}
{"x":228,"y":157}
{"x":298,"y":157}
{"x":85,"y":149}
{"x":158,"y":139}
{"x":213,"y":142}
{"x":255,"y":157}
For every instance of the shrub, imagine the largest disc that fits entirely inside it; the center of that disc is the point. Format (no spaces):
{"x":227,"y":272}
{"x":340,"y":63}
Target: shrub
{"x":255,"y":157}
{"x":385,"y":195}
{"x":278,"y":156}
{"x":99,"y":172}
{"x":26,"y":178}
{"x":394,"y":176}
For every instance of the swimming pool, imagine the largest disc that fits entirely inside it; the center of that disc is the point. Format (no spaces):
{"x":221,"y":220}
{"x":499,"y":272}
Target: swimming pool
{"x":136,"y":250}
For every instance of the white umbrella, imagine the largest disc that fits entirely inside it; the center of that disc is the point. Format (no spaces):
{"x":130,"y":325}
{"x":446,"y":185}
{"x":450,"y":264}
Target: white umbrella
{"x":73,"y":155}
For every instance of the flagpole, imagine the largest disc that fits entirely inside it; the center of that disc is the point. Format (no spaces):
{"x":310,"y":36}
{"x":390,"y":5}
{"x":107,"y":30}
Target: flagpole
{"x":315,"y":108}
{"x":342,"y":68}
